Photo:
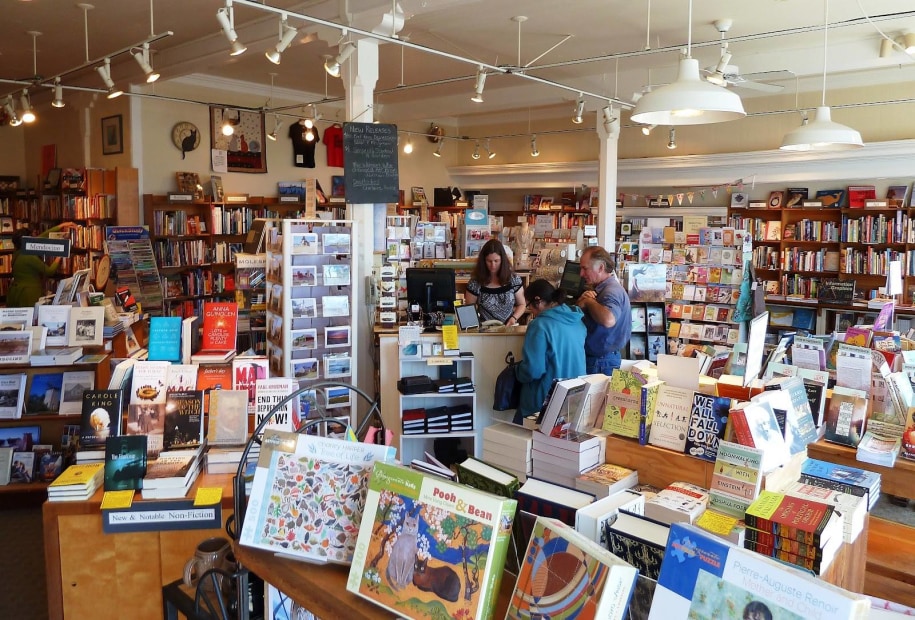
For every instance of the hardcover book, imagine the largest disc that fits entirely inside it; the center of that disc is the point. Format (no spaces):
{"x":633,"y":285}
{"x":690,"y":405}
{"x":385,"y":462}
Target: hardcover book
{"x":12,"y":395}
{"x":845,"y":416}
{"x":707,"y":421}
{"x":703,"y":577}
{"x":606,"y":479}
{"x":671,"y":418}
{"x":639,"y":540}
{"x":181,"y":378}
{"x":486,"y":477}
{"x":56,"y":319}
{"x":754,"y":424}
{"x":219,"y":332}
{"x":73,"y":384}
{"x":164,"y":338}
{"x":680,"y":501}
{"x":736,"y":478}
{"x":44,"y":392}
{"x":561,"y":403}
{"x":310,"y":479}
{"x":212,"y":377}
{"x":564,"y":574}
{"x":86,"y":326}
{"x":797,"y":518}
{"x":101,"y":417}
{"x":227,"y":421}
{"x":125,"y":462}
{"x":630,"y":404}
{"x":269,"y":393}
{"x":246,"y":371}
{"x":431,"y":544}
{"x":183,"y":420}
{"x":547,"y":499}
{"x":593,"y":520}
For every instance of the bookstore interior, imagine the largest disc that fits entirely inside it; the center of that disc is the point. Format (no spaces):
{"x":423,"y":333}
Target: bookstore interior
{"x":274,"y":391}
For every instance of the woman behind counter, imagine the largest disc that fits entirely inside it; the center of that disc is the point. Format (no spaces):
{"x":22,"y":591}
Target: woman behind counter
{"x":494,"y":287}
{"x":30,"y":271}
{"x":554,"y":345}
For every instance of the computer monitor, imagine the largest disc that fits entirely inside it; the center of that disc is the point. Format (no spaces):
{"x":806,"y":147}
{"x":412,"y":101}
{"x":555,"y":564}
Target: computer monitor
{"x":432,"y":288}
{"x":571,"y":281}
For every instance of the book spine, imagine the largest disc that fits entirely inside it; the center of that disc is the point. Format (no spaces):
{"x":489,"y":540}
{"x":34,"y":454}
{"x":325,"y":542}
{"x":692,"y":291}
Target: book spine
{"x":742,"y":429}
{"x":809,"y":563}
{"x":784,"y":530}
{"x":500,"y":549}
{"x":835,"y":485}
{"x":784,"y":544}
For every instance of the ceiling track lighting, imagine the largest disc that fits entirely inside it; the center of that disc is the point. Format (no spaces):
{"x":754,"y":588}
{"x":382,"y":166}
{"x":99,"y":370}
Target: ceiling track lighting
{"x":478,"y":86}
{"x":277,"y":123}
{"x":476,"y":150}
{"x":904,"y":43}
{"x":579,"y":110}
{"x":408,"y":147}
{"x":689,"y":100}
{"x":822,"y":134}
{"x":672,"y":139}
{"x":609,"y":118}
{"x":10,"y":107}
{"x":491,"y":153}
{"x":535,"y":152}
{"x":646,"y":129}
{"x":226,"y":18}
{"x":717,"y":78}
{"x":333,"y":65}
{"x":287,"y":35}
{"x":142,"y":58}
{"x":58,"y":94}
{"x":104,"y":72}
{"x":28,"y":115}
{"x":438,"y":150}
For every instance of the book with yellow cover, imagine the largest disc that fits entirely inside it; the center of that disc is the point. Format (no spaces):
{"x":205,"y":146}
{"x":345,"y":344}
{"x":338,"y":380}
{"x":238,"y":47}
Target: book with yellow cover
{"x":79,"y":476}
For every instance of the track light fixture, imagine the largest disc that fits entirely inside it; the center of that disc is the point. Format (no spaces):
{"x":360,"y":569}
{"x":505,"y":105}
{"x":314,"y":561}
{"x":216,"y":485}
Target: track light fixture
{"x":489,"y":150}
{"x":646,"y":129}
{"x":579,"y":109}
{"x":476,"y":150}
{"x":408,"y":147}
{"x":104,"y":72}
{"x":58,"y":94}
{"x":478,"y":86}
{"x":10,"y":108}
{"x":28,"y":115}
{"x":672,"y":139}
{"x":332,"y":65}
{"x":277,"y":123}
{"x":535,"y":152}
{"x":226,"y":18}
{"x":609,"y":118}
{"x":438,"y":151}
{"x":142,"y":58}
{"x":287,"y":34}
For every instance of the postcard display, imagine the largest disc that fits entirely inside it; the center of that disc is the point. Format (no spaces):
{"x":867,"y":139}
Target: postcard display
{"x":310,"y":309}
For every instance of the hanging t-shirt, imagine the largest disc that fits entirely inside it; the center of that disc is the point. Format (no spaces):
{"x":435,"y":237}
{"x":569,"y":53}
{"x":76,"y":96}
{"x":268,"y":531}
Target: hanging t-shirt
{"x":333,"y":140}
{"x":303,"y":151}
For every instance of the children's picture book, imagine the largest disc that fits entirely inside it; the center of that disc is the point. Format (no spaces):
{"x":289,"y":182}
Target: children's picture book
{"x":164,"y":338}
{"x":125,"y":462}
{"x":434,"y":545}
{"x":100,"y":417}
{"x":564,"y":574}
{"x":183,"y":420}
{"x":310,"y":479}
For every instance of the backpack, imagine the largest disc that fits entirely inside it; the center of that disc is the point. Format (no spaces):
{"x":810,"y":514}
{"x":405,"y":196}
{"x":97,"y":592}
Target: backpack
{"x":508,"y":389}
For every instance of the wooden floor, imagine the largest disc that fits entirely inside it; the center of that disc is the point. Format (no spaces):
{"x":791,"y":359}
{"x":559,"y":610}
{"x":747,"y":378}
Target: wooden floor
{"x":22,"y":565}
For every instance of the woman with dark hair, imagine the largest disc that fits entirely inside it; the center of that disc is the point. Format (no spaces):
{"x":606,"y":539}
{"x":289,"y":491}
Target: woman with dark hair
{"x":30,"y":271}
{"x":494,"y":287}
{"x":554,"y":345}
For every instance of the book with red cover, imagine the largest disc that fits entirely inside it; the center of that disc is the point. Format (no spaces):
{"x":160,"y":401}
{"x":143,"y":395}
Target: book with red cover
{"x":219,"y":331}
{"x":801,"y":519}
{"x":858,"y":194}
{"x":213,"y":377}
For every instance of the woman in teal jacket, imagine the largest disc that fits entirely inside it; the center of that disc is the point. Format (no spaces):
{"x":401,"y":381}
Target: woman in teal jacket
{"x":554,"y":345}
{"x":30,"y":272}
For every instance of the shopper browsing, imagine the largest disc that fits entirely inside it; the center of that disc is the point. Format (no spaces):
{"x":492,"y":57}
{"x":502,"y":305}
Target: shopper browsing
{"x":494,"y":287}
{"x":606,"y":308}
{"x":554,"y":346}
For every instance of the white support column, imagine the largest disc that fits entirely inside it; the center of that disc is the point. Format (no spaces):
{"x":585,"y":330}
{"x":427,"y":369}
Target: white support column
{"x":606,"y":182}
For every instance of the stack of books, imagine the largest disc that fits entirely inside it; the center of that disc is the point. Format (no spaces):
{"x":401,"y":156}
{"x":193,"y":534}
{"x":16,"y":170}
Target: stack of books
{"x":509,"y":447}
{"x":878,"y":450}
{"x":225,"y":459}
{"x":679,"y":502}
{"x":172,"y":474}
{"x":414,"y":421}
{"x":460,"y":418}
{"x":851,"y":508}
{"x":797,"y":530}
{"x":562,"y":459}
{"x":606,"y":479}
{"x":639,"y":540}
{"x":77,"y":483}
{"x":843,"y":478}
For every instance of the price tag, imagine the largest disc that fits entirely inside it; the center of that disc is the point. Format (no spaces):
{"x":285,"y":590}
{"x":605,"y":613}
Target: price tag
{"x":117,"y":499}
{"x":207,"y":496}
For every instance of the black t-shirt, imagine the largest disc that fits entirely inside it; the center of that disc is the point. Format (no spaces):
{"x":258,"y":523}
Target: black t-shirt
{"x":303,"y":151}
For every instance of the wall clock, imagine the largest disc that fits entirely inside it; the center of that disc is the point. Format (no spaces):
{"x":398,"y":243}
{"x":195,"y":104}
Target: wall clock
{"x":102,"y":272}
{"x":185,"y":137}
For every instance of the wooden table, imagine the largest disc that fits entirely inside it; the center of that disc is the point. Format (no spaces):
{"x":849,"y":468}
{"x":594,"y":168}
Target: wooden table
{"x":321,"y":589}
{"x":898,"y":480}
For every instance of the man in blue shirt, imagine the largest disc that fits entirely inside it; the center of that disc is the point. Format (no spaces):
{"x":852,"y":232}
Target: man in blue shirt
{"x":606,"y":308}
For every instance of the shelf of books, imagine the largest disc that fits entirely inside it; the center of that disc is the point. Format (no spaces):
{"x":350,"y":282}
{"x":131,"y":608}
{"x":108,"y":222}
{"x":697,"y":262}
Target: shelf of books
{"x":17,"y":208}
{"x":310,"y":309}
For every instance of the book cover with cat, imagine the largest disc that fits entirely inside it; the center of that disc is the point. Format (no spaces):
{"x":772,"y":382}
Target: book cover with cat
{"x":430,"y":548}
{"x":308,"y":494}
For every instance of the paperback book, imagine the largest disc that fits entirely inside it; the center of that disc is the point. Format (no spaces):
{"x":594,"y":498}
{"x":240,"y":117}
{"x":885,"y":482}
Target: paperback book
{"x":671,"y":417}
{"x":164,"y":338}
{"x":183,"y":420}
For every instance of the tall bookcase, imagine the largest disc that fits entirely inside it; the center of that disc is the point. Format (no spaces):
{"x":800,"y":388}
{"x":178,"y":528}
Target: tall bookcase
{"x":17,"y":208}
{"x":310,"y":309}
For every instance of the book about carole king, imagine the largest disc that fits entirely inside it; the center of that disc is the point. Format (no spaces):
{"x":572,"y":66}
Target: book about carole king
{"x":219,"y":332}
{"x":319,"y":481}
{"x":431,"y":546}
{"x":565,"y":575}
{"x":101,"y":417}
{"x":705,"y":577}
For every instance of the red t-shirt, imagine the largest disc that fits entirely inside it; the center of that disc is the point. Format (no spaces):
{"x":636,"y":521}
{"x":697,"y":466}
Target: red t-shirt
{"x":333,"y":140}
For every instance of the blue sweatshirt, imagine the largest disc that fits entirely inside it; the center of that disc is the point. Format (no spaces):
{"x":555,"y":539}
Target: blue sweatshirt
{"x":554,"y":348}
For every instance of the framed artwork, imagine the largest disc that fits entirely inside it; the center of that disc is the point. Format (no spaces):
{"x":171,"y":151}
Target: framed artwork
{"x":112,"y":135}
{"x":244,"y":148}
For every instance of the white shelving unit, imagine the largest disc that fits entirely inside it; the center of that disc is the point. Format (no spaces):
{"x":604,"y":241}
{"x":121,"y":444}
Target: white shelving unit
{"x":412,"y":446}
{"x":310,"y":308}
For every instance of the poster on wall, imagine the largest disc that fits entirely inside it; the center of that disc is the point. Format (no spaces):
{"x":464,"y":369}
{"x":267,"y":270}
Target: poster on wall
{"x":244,"y":146}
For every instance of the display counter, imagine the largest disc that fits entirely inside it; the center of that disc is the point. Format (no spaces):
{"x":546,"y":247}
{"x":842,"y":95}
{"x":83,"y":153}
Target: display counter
{"x":91,"y":574}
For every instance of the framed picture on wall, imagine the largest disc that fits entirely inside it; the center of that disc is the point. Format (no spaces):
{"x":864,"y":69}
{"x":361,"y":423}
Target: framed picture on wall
{"x":244,"y":147}
{"x":112,"y":135}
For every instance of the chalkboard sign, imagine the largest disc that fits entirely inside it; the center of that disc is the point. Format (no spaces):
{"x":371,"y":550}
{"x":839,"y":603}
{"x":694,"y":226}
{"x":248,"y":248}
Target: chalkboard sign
{"x":370,"y":163}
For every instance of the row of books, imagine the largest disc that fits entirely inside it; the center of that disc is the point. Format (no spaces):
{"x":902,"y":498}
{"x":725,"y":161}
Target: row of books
{"x":441,"y":419}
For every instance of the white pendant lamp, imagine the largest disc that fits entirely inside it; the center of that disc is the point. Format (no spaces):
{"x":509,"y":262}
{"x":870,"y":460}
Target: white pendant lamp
{"x":689,"y":100}
{"x":822,"y":134}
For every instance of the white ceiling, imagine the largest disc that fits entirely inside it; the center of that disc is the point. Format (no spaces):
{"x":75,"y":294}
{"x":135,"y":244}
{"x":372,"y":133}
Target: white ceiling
{"x":605,"y":55}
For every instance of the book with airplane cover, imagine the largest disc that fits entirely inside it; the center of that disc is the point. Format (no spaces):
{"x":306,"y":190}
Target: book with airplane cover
{"x":100,"y":418}
{"x":671,"y":417}
{"x":125,"y":462}
{"x":430,"y":544}
{"x":310,"y":479}
{"x":708,"y":419}
{"x":704,"y":577}
{"x":183,"y":420}
{"x":567,"y":575}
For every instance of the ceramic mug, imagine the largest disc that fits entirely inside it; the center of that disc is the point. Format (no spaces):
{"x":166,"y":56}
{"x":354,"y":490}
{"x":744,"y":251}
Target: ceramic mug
{"x":210,"y":553}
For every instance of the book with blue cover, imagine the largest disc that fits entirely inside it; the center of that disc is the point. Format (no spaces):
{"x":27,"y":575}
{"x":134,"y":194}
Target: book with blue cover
{"x":842,"y":478}
{"x":164,"y":338}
